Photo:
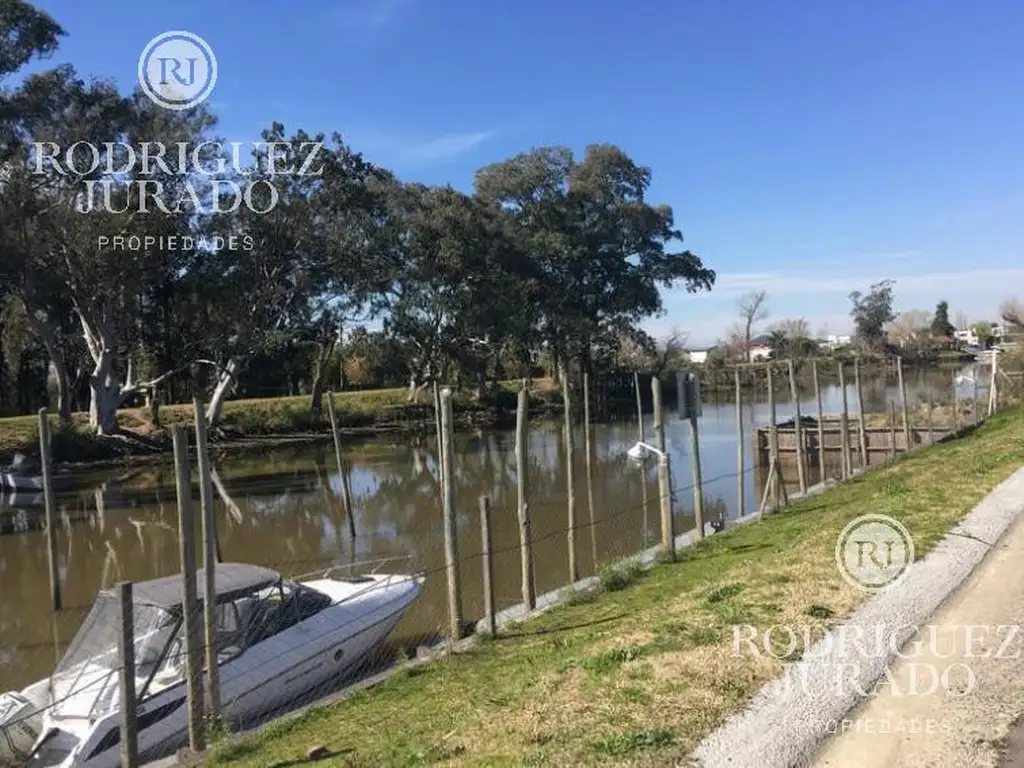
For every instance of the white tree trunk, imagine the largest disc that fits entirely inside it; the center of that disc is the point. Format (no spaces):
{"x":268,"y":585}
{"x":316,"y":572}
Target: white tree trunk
{"x":225,"y":385}
{"x":105,"y":396}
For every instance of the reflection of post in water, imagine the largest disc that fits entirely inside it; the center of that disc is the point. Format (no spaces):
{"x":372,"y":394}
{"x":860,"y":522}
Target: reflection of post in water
{"x":346,"y":501}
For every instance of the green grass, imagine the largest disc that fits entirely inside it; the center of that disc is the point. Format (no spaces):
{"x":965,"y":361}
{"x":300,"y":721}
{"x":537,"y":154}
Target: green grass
{"x":639,"y":675}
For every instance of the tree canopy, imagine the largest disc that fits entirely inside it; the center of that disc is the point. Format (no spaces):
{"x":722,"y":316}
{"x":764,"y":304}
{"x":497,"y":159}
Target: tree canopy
{"x":144,"y":275}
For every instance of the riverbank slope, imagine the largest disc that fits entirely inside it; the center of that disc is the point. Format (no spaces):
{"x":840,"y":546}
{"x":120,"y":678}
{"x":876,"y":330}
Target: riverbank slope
{"x":639,"y":675}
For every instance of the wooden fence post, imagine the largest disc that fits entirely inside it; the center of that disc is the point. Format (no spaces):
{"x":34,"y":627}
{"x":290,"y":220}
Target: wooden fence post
{"x":588,"y":450}
{"x":740,"y":452}
{"x":698,"y":483}
{"x":668,"y":534}
{"x":488,"y":565}
{"x":798,"y":430}
{"x":892,"y":429}
{"x":903,"y":402}
{"x":523,"y":506}
{"x":773,"y":439}
{"x":46,"y":458}
{"x":821,"y":422}
{"x":993,"y":388}
{"x":844,"y":426}
{"x":210,"y":558}
{"x":345,"y":499}
{"x":126,"y":679}
{"x":570,"y":479}
{"x":190,"y":607}
{"x":862,"y":428}
{"x":451,"y":549}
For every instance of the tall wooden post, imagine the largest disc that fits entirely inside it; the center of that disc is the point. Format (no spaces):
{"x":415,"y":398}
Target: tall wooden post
{"x":46,"y":458}
{"x":345,"y":499}
{"x":588,"y":450}
{"x":126,"y":678}
{"x":190,"y":606}
{"x":773,"y":439}
{"x":862,"y":427}
{"x":668,"y":534}
{"x":209,"y":560}
{"x":451,"y":550}
{"x":740,"y":452}
{"x":798,"y":430}
{"x":821,"y":422}
{"x":488,"y":566}
{"x":903,"y":402}
{"x":993,"y":389}
{"x":698,"y":483}
{"x":570,"y":479}
{"x":844,"y":426}
{"x":523,"y":506}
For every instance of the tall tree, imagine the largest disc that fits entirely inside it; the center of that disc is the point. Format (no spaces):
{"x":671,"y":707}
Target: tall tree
{"x":602,"y":249}
{"x":309,"y":256}
{"x":941,"y":328}
{"x":753,"y":309}
{"x":871,"y":312}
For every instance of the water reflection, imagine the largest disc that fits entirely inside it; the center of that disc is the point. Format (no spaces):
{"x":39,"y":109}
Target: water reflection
{"x":287,"y":510}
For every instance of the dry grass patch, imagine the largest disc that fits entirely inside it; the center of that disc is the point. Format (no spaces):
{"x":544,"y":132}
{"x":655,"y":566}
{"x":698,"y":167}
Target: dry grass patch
{"x":640,"y":675}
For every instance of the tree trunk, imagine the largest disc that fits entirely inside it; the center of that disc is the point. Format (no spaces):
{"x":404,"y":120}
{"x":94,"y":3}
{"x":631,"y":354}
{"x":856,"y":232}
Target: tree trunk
{"x":225,"y":385}
{"x":105,"y":396}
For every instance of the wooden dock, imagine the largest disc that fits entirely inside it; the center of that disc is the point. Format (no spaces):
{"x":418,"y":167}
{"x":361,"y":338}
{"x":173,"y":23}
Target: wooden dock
{"x":878,"y":440}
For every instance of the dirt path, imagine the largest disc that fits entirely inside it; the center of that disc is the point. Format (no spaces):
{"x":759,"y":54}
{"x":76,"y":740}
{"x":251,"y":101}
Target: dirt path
{"x":977,"y":641}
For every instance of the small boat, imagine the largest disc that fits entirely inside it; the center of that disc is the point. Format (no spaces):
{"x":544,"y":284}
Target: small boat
{"x":278,"y":639}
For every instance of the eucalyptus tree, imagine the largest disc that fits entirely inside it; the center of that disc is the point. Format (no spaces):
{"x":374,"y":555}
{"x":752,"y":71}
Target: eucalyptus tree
{"x":103,"y":221}
{"x":303,"y":250}
{"x":601,"y":249}
{"x":458,"y":293}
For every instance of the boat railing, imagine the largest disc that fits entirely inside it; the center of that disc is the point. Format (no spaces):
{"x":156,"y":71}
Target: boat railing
{"x":349,"y":568}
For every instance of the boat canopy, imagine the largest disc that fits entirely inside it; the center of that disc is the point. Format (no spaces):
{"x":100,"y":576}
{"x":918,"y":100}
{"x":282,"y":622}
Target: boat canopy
{"x":231,"y":580}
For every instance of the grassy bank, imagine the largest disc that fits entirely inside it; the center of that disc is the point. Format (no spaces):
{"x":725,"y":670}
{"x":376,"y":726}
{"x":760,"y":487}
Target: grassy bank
{"x":367,"y":412}
{"x":638,"y":675}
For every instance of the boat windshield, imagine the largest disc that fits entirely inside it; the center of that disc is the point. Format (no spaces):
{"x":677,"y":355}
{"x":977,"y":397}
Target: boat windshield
{"x":85,"y":681}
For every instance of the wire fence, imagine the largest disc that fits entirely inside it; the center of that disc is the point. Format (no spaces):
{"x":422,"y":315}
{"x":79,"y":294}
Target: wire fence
{"x":281,"y":641}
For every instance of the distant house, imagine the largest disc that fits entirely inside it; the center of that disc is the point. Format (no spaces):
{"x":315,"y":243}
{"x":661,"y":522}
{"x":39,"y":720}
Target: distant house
{"x":834,"y":342}
{"x":699,"y":356}
{"x":970,"y":337}
{"x":760,"y":347}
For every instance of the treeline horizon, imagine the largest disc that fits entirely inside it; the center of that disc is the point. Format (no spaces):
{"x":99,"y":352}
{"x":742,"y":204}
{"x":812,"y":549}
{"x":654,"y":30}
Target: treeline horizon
{"x":550,"y":261}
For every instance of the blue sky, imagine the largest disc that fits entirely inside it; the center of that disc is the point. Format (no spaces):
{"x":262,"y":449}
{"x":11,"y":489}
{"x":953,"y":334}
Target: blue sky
{"x":807,"y":148}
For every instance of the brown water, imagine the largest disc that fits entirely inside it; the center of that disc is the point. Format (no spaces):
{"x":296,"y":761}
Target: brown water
{"x":284,"y":510}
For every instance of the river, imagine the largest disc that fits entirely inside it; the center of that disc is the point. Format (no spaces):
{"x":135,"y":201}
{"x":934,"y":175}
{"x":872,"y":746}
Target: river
{"x":283,"y":509}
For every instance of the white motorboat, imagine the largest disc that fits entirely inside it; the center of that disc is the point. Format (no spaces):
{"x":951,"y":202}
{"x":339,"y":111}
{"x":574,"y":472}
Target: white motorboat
{"x":277,"y":639}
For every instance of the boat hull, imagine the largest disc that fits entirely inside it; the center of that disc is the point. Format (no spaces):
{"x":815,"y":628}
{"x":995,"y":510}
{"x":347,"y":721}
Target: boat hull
{"x":268,"y":676}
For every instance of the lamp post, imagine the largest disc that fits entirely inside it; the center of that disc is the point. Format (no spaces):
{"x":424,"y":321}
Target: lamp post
{"x":641,"y":452}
